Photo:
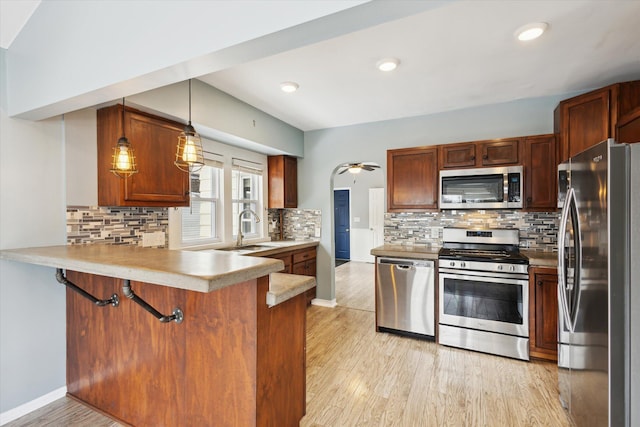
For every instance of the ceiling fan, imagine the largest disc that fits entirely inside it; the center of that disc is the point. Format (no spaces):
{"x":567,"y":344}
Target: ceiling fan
{"x":357,"y":167}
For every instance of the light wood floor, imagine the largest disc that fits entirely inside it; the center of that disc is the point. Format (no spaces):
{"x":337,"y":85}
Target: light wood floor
{"x":357,"y":377}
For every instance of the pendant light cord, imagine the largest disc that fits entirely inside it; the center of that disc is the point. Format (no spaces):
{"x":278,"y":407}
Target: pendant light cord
{"x":189,"y":101}
{"x":123,"y":135}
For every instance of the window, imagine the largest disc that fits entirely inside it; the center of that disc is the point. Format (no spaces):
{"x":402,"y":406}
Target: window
{"x":220,"y":191}
{"x":246,"y":190}
{"x":200,"y":221}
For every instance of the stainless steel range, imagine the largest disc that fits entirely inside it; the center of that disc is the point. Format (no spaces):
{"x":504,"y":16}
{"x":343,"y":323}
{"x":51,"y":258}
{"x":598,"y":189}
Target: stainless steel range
{"x":484,"y":292}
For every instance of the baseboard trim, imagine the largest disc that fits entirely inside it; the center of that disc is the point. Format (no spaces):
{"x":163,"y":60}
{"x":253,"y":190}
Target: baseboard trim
{"x":25,"y":408}
{"x":324,"y":302}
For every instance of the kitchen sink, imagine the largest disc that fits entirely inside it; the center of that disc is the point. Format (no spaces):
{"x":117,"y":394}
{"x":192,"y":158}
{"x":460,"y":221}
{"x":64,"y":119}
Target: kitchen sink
{"x":247,"y":248}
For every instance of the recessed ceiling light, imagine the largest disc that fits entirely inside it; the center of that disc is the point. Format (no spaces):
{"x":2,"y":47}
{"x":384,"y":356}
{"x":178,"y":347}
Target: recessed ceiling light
{"x":387,"y":64}
{"x":531,"y":31}
{"x":289,"y":86}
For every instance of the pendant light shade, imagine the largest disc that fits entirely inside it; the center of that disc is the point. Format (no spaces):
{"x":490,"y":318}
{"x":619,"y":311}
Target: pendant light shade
{"x":189,"y":157}
{"x":123,"y":163}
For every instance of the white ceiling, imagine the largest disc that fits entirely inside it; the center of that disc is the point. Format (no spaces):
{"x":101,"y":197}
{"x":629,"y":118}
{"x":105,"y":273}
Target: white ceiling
{"x":13,"y":15}
{"x":458,"y":54}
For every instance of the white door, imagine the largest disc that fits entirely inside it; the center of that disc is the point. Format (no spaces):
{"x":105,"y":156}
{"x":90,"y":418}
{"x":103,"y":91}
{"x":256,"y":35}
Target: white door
{"x":376,"y":215}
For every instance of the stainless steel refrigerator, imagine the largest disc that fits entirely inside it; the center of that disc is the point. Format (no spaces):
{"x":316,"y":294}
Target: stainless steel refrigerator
{"x":598,"y":285}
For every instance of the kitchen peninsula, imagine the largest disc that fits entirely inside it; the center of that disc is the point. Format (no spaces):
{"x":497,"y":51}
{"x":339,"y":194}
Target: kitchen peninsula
{"x":234,"y":356}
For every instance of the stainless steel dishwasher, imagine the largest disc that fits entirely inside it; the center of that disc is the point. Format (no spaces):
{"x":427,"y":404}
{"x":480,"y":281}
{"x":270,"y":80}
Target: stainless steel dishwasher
{"x":405,"y":296}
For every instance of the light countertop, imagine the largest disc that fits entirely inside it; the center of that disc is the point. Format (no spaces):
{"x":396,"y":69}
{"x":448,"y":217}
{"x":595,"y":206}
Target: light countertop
{"x":202,"y":271}
{"x":284,"y":286}
{"x":541,"y":259}
{"x":536,"y":258}
{"x":407,"y":251}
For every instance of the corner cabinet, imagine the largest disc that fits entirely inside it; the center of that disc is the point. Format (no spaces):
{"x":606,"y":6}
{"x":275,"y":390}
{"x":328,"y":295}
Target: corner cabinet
{"x":543,"y":313}
{"x":587,"y":119}
{"x":541,"y":189}
{"x":299,"y":261}
{"x":496,"y":152}
{"x":412,"y":179}
{"x":159,"y":182}
{"x":283,"y":182}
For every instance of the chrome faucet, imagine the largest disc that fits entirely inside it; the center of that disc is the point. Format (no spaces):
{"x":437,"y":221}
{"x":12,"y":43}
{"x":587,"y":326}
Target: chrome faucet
{"x":240,"y":236}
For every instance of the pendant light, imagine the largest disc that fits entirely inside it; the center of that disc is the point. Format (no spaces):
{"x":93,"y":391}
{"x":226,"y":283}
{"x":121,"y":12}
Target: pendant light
{"x":123,"y":163}
{"x":189,"y":157}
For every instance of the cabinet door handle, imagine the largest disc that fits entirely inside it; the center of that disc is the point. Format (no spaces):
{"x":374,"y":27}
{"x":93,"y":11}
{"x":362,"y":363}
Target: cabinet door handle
{"x":486,"y":157}
{"x":472,"y":157}
{"x":540,"y":283}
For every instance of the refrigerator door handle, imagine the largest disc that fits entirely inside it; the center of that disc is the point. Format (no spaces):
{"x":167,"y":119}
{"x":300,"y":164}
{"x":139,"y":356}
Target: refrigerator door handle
{"x":577,"y":270}
{"x":562,"y":277}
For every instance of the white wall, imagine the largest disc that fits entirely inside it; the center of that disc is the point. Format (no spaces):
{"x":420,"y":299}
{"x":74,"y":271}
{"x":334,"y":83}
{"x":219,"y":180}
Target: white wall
{"x":32,"y":213}
{"x":327,"y":148}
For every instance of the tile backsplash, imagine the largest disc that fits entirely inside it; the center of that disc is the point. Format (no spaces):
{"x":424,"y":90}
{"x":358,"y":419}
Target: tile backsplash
{"x":299,"y":224}
{"x":115,"y":225}
{"x":537,"y":230}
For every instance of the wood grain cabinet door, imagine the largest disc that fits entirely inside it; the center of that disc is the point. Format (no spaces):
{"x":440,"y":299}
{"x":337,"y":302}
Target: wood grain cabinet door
{"x":283,"y":182}
{"x":412,"y":179}
{"x":154,"y":139}
{"x":499,"y":153}
{"x":584,"y":121}
{"x":457,"y":155}
{"x":543,"y":288}
{"x":159,"y":180}
{"x":540,"y":185}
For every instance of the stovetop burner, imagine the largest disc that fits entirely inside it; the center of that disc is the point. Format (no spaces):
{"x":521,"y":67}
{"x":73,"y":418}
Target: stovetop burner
{"x":493,"y":245}
{"x":510,"y":257}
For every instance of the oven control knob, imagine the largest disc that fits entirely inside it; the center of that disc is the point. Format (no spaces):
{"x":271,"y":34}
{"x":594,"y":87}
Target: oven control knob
{"x":462,"y":264}
{"x":512,"y":268}
{"x":499,"y":267}
{"x":452,"y":263}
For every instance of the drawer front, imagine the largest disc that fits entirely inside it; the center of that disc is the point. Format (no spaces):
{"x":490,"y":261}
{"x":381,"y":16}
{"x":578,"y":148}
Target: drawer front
{"x":304,"y":255}
{"x":286,"y":258}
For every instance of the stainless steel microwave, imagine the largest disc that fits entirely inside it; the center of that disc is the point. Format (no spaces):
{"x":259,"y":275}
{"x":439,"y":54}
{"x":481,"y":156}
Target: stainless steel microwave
{"x":481,"y":188}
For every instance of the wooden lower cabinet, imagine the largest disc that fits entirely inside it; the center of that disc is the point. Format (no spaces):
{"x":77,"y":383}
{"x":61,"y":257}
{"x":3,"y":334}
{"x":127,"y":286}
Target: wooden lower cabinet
{"x":300,"y":261}
{"x":233,"y":361}
{"x":543,"y":313}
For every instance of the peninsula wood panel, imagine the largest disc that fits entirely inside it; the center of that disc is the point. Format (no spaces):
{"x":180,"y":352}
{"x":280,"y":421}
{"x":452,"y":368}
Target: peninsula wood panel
{"x":412,"y":179}
{"x":281,"y":373}
{"x":127,"y":364}
{"x":117,"y":357}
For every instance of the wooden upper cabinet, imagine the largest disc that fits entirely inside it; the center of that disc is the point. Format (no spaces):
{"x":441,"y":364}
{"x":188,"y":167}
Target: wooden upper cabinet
{"x":540,"y":187}
{"x":283,"y":182}
{"x":628,"y":128}
{"x":498,"y":152}
{"x":159,"y":182}
{"x":457,"y":155}
{"x":412,"y":179}
{"x":543,"y":313}
{"x":587,"y":119}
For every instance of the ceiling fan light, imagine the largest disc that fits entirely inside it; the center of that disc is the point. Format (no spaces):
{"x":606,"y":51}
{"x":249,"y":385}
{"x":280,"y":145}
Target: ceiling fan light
{"x":354,"y":169}
{"x":531,"y":31}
